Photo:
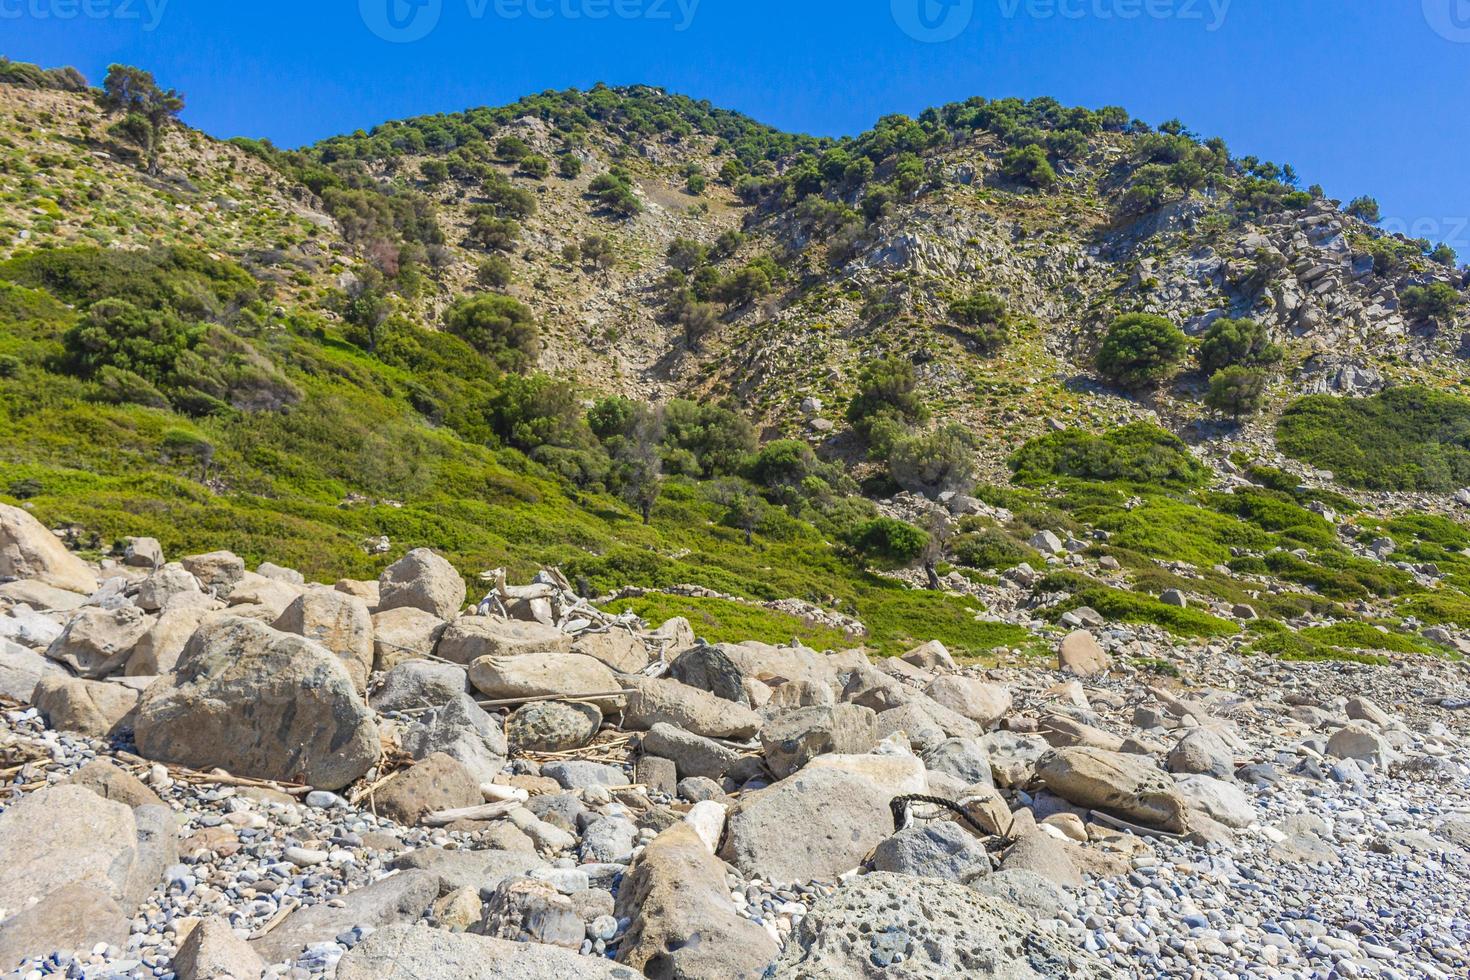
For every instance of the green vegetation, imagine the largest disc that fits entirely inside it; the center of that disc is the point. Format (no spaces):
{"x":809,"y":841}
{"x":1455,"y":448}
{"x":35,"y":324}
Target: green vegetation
{"x":724,"y":621}
{"x":1140,"y":350}
{"x":1437,"y":301}
{"x":1131,"y":607}
{"x":1236,"y":343}
{"x":1237,"y":391}
{"x":1138,"y":453}
{"x":984,"y":318}
{"x":1340,"y":641}
{"x":1406,"y":438}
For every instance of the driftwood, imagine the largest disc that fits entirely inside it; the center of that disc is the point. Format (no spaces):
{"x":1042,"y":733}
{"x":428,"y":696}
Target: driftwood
{"x":1133,"y":828}
{"x":489,"y":811}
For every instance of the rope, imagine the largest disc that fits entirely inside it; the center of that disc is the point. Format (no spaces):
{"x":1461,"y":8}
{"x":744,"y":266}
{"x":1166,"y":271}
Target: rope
{"x":900,"y":807}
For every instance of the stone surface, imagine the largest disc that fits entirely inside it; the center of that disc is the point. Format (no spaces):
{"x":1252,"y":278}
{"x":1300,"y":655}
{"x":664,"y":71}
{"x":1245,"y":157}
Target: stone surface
{"x":983,"y":703}
{"x":552,"y":726}
{"x":439,"y":782}
{"x":419,"y":952}
{"x":528,"y":910}
{"x":793,"y":739}
{"x":692,"y":755}
{"x":930,"y":655}
{"x":887,"y":926}
{"x":158,"y":650}
{"x":96,"y":708}
{"x":164,"y":586}
{"x":1079,"y":653}
{"x":689,"y":708}
{"x":464,"y":731}
{"x":340,"y":623}
{"x":113,"y":783}
{"x":621,"y":650}
{"x":212,"y":951}
{"x":65,"y":835}
{"x":398,"y":899}
{"x":1202,"y":751}
{"x":423,"y":580}
{"x":22,"y":669}
{"x":416,"y":684}
{"x":73,"y":917}
{"x":534,"y":675}
{"x":257,"y":702}
{"x":1124,"y":785}
{"x":841,"y":808}
{"x":469,"y":638}
{"x":683,"y":925}
{"x":941,"y":849}
{"x":963,"y":758}
{"x":711,"y":669}
{"x":403,"y":635}
{"x":98,"y":641}
{"x":219,"y":571}
{"x":28,"y":550}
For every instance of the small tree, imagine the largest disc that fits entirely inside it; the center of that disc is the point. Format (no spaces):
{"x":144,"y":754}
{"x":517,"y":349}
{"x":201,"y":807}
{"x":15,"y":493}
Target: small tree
{"x":434,"y":172}
{"x":494,"y":272}
{"x":889,"y":541}
{"x":1029,"y":165}
{"x":494,"y":234}
{"x":1243,"y":342}
{"x":535,"y":166}
{"x":985,"y":318}
{"x":637,"y":460}
{"x":1364,"y":208}
{"x":569,"y":166}
{"x":497,"y":326}
{"x":1140,"y":349}
{"x":147,"y":108}
{"x":886,"y":388}
{"x":599,"y":251}
{"x":1237,"y":391}
{"x":1436,"y":301}
{"x":743,"y":506}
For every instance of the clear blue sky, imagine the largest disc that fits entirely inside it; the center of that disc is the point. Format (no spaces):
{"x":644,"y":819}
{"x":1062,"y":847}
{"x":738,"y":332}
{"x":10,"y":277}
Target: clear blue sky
{"x":1363,"y":96}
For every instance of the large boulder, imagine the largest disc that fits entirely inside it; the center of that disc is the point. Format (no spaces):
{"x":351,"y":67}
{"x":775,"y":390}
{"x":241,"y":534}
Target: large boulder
{"x":416,"y":684}
{"x":165,"y":585}
{"x":535,"y":675}
{"x":258,"y":702}
{"x":437,"y":783}
{"x":21,"y":670}
{"x":775,"y":666}
{"x":895,"y":927}
{"x":265,"y":599}
{"x":822,"y":821}
{"x":793,"y":739}
{"x":1127,"y":786}
{"x":1202,"y":751}
{"x":337,"y":621}
{"x":29,"y":551}
{"x":692,"y":755}
{"x":552,"y":726}
{"x":30,"y":627}
{"x":621,"y":650}
{"x":74,"y":918}
{"x":65,"y":835}
{"x":416,"y":952}
{"x":1224,"y":802}
{"x":711,"y":669}
{"x":469,"y":638}
{"x":113,"y":783}
{"x":404,"y":634}
{"x":98,"y":641}
{"x":218,"y":571}
{"x":95,"y":708}
{"x":402,"y":898}
{"x":462,"y":730}
{"x":1013,"y":757}
{"x":212,"y":951}
{"x":422,"y":580}
{"x":941,"y":849}
{"x":158,"y":650}
{"x":926,"y":723}
{"x":985,"y":704}
{"x":40,"y":596}
{"x":656,"y":700}
{"x":1079,"y":653}
{"x":963,"y":758}
{"x":683,"y":925}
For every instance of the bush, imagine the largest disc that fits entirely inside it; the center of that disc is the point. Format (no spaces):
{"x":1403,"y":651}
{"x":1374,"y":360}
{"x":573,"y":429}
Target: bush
{"x":535,"y":166}
{"x":1406,"y":438}
{"x":1138,"y":453}
{"x":1237,"y":391}
{"x":991,"y":548}
{"x":1364,"y":208}
{"x":1230,"y":342}
{"x":985,"y":318}
{"x":1140,"y":349}
{"x":494,"y":272}
{"x":569,"y":166}
{"x":887,"y":388}
{"x":933,"y":462}
{"x":497,"y":326}
{"x":889,"y":541}
{"x":1029,"y":165}
{"x":1437,"y":301}
{"x":614,"y":191}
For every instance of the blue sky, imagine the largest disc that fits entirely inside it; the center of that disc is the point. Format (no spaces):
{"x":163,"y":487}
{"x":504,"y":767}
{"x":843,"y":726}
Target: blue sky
{"x":1362,"y":96}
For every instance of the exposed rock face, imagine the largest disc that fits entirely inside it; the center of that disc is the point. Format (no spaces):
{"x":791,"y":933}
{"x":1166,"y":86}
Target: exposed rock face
{"x":21,"y":670}
{"x":552,"y":726}
{"x":618,"y":648}
{"x":402,"y":898}
{"x":893,"y":926}
{"x":258,"y":702}
{"x":984,"y":704}
{"x":212,"y":951}
{"x":94,"y":708}
{"x":1080,"y":654}
{"x":942,"y":849}
{"x":404,"y":634}
{"x":1127,"y":786}
{"x":338,"y":622}
{"x":420,"y":684}
{"x":462,"y":730}
{"x":218,"y":571}
{"x":692,"y":755}
{"x":683,"y":924}
{"x":75,"y":916}
{"x":157,"y":650}
{"x":29,"y":551}
{"x":422,"y":580}
{"x":793,"y":739}
{"x":437,"y":783}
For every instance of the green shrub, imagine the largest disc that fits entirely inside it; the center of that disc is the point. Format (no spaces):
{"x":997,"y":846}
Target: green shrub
{"x":1138,"y":453}
{"x":993,"y":549}
{"x":985,"y":319}
{"x":1130,"y":607}
{"x":1437,"y":301}
{"x":1228,"y":343}
{"x":1406,"y":438}
{"x":1029,"y":165}
{"x":1140,"y":349}
{"x":889,"y":541}
{"x":1237,"y":391}
{"x":499,"y":327}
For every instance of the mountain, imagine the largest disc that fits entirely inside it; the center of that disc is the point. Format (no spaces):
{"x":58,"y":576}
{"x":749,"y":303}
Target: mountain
{"x":787,"y":382}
